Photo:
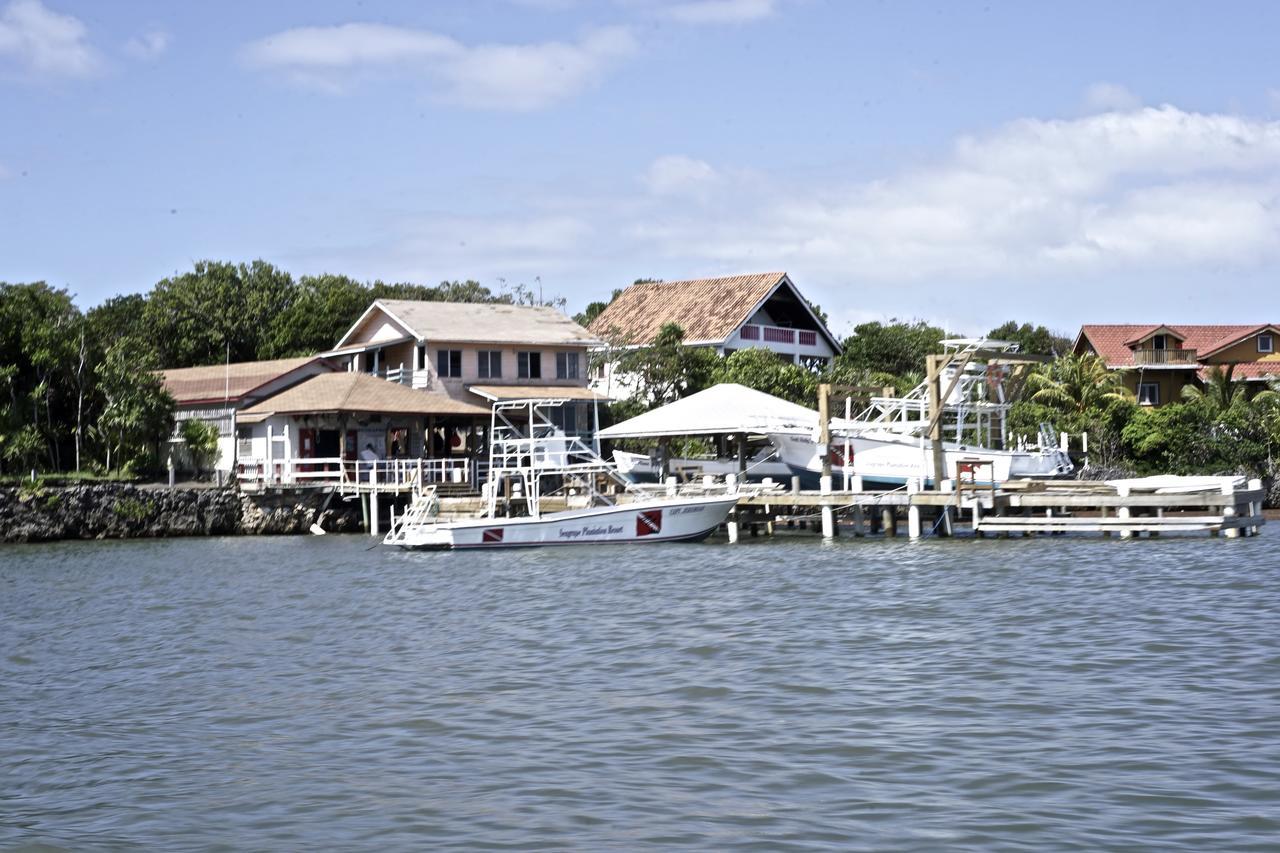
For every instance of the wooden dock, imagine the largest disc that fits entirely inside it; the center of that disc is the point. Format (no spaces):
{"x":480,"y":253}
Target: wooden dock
{"x":1019,"y":507}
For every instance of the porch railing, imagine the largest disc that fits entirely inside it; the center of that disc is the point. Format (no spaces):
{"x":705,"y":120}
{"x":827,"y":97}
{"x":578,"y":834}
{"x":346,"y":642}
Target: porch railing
{"x":1149,"y":357}
{"x":778,"y":335}
{"x":354,"y":473}
{"x":406,"y":376}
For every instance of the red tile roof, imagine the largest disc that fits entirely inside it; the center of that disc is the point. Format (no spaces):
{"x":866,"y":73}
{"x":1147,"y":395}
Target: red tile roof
{"x":1111,"y":341}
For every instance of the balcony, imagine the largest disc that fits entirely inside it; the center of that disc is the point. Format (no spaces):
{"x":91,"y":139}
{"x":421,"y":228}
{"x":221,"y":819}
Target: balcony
{"x":778,"y":335}
{"x":1164,"y":358}
{"x":419,"y":379}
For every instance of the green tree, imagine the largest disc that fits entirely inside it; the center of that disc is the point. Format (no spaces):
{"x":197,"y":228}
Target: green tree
{"x":137,"y":414}
{"x":218,"y":311}
{"x":664,"y":370}
{"x":1032,"y":340}
{"x":763,"y":370}
{"x":323,"y":308}
{"x":895,"y":348}
{"x":1076,"y":383}
{"x":593,"y":310}
{"x":39,"y":334}
{"x":201,"y":439}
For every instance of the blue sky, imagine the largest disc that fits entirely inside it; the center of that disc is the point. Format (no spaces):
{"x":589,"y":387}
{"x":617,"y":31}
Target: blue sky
{"x":964,"y":163}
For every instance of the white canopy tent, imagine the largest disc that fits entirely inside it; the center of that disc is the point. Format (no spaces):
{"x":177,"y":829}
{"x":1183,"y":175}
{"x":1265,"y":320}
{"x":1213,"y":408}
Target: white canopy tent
{"x":719,"y":410}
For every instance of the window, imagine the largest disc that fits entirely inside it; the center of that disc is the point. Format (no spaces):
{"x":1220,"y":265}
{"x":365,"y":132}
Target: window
{"x":529,"y":365}
{"x":449,"y":363}
{"x":1158,"y":342}
{"x":815,"y":363}
{"x":1149,"y":394}
{"x":490,"y":364}
{"x":1266,"y":343}
{"x":566,"y":365}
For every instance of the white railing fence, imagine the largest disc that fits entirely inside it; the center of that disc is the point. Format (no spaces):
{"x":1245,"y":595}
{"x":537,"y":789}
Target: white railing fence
{"x":389,"y":473}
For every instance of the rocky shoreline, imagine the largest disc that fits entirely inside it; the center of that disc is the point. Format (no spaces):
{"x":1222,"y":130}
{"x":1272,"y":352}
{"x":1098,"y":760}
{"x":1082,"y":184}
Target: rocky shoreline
{"x":122,"y":511}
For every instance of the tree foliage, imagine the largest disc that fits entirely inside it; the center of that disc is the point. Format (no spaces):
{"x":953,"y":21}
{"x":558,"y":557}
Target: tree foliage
{"x":137,"y":412}
{"x":201,"y":440}
{"x":664,"y":370}
{"x":1076,"y":383}
{"x":894,"y":348}
{"x":763,"y":370}
{"x":1032,"y":340}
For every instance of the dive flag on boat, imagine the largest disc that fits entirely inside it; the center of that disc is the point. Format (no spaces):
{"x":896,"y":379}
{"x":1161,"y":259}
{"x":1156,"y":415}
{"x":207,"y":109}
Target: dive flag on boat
{"x":648,"y":522}
{"x":493,"y":534}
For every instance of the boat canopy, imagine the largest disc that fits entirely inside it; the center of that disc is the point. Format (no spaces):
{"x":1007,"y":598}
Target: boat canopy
{"x":720,"y":410}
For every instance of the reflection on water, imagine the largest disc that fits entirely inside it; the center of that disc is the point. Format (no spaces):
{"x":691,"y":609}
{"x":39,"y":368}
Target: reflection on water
{"x":311,"y":693}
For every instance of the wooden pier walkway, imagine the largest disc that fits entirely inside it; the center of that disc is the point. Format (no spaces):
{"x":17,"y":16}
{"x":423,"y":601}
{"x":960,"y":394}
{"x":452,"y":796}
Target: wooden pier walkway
{"x":1019,"y":507}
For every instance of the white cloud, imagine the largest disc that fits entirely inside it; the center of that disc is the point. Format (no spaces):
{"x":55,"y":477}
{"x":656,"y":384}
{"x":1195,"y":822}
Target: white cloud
{"x":41,"y":41}
{"x":1110,"y":97}
{"x":147,"y":46}
{"x":720,"y":11}
{"x":487,"y":76}
{"x":1158,"y":188}
{"x":676,"y":174}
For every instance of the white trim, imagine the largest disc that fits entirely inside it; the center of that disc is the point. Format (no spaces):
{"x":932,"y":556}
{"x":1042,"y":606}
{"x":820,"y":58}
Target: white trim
{"x":804,"y":303}
{"x":377,"y":303}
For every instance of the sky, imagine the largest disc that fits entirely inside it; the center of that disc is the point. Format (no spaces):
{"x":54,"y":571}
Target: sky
{"x":961,"y":163}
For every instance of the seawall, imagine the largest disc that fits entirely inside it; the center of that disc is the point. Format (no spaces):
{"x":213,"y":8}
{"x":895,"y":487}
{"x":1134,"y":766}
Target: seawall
{"x":121,"y":511}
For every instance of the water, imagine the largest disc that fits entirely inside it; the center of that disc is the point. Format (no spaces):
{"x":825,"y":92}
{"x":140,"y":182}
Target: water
{"x":307,"y":693}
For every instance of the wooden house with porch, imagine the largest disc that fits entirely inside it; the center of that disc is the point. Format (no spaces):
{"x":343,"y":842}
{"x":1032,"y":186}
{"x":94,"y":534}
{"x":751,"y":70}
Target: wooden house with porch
{"x":763,"y":311}
{"x":1158,"y":361}
{"x":356,"y":428}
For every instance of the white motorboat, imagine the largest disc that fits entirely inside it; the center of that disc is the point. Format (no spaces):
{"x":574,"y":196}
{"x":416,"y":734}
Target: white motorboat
{"x":529,"y":460}
{"x":886,"y":444}
{"x":886,"y":459}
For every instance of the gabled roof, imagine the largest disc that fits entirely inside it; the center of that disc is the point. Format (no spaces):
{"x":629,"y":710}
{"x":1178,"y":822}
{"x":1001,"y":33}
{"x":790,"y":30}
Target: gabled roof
{"x":1155,"y":330}
{"x":232,"y":382}
{"x":1112,"y":341}
{"x":348,"y":392}
{"x":478,"y":322}
{"x":1234,"y":338}
{"x":719,"y":410}
{"x":708,"y":309}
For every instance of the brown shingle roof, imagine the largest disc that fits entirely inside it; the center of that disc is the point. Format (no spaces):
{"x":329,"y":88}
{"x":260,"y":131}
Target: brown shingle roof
{"x":218,"y":381}
{"x":360,"y":392}
{"x":708,"y":309}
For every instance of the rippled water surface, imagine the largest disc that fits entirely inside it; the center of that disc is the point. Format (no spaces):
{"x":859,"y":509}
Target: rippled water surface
{"x":309,"y":693}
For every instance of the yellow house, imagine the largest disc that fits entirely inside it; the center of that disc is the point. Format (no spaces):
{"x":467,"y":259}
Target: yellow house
{"x":1159,"y":360}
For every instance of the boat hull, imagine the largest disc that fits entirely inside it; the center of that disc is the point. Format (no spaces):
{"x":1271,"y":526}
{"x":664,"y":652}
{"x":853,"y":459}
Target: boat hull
{"x":651,"y":521}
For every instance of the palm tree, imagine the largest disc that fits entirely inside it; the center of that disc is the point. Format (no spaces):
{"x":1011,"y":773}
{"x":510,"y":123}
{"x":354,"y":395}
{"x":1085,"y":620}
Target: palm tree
{"x":1077,"y":383}
{"x":1221,"y":391}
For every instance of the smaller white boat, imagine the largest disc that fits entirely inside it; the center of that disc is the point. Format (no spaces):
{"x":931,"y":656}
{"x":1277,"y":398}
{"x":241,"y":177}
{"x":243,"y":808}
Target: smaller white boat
{"x":529,"y":460}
